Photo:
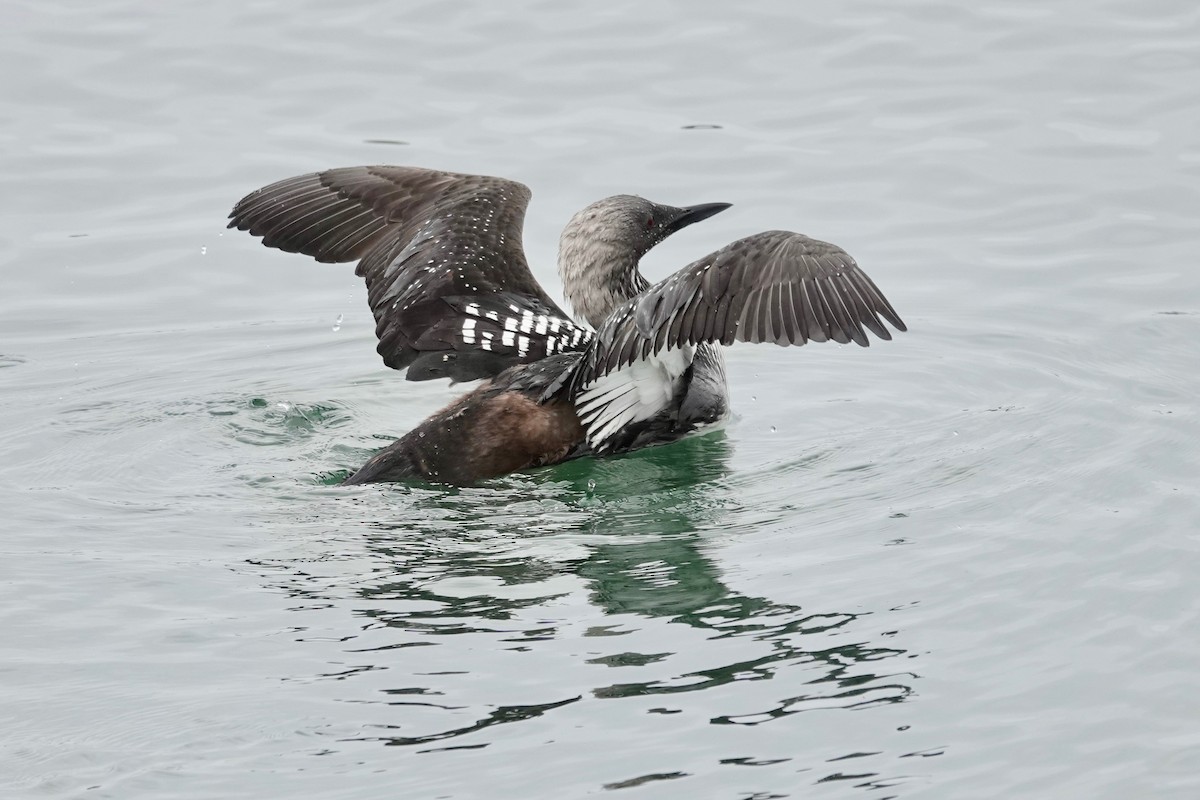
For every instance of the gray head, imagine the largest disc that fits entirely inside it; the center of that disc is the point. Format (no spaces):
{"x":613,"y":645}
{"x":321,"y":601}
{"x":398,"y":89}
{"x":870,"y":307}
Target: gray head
{"x":599,"y":250}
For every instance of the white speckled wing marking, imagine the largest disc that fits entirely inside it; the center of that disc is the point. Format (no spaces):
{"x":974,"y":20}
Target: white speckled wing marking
{"x":541,"y":333}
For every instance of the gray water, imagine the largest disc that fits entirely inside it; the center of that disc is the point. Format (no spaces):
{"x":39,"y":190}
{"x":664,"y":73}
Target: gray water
{"x":958,"y":564}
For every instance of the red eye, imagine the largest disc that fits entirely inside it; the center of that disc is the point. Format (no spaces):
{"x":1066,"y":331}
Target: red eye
{"x":650,"y":223}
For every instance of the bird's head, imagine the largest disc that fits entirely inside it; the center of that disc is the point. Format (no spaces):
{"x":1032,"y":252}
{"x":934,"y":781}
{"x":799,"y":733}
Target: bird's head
{"x":600,"y":247}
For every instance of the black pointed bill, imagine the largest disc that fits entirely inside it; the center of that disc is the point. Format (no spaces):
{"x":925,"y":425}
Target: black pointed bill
{"x":692,"y":214}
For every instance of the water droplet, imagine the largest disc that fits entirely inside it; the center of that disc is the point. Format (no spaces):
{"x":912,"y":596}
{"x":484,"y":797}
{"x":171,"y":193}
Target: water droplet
{"x":203,"y":251}
{"x":591,"y":485}
{"x":772,"y":429}
{"x":337,"y":324}
{"x":753,"y":398}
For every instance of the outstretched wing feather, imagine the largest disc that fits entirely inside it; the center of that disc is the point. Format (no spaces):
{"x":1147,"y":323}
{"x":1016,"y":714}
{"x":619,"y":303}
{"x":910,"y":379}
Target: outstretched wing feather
{"x":776,"y":286}
{"x":425,"y":241}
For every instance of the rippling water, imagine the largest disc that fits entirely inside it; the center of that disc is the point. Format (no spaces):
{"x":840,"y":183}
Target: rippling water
{"x":959,"y":564}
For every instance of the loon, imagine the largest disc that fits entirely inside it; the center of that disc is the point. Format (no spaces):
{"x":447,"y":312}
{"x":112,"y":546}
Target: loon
{"x":639,"y":364}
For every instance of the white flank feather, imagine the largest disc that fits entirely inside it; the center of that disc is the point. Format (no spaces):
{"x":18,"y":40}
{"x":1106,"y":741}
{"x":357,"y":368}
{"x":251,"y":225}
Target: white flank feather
{"x":631,"y":394}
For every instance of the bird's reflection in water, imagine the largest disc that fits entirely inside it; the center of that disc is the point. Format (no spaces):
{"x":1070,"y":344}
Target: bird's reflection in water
{"x":686,"y":464}
{"x":637,"y":532}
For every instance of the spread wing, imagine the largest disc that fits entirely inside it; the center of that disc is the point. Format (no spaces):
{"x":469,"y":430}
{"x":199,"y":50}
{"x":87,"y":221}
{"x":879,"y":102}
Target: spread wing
{"x":441,"y":253}
{"x":776,"y":286}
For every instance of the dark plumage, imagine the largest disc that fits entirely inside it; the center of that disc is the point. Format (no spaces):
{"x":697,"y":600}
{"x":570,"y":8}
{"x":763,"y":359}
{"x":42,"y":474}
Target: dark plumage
{"x":453,"y":297}
{"x":498,"y":428}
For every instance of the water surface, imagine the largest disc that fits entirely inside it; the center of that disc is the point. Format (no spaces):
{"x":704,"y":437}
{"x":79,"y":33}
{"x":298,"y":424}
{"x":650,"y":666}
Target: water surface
{"x":959,"y":564}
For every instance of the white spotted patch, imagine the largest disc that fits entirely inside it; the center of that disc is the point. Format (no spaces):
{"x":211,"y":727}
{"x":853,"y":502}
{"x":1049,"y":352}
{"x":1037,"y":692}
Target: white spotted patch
{"x":468,"y":331}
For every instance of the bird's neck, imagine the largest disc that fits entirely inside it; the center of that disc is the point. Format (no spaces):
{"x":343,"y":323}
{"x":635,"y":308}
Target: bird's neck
{"x":598,"y":276}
